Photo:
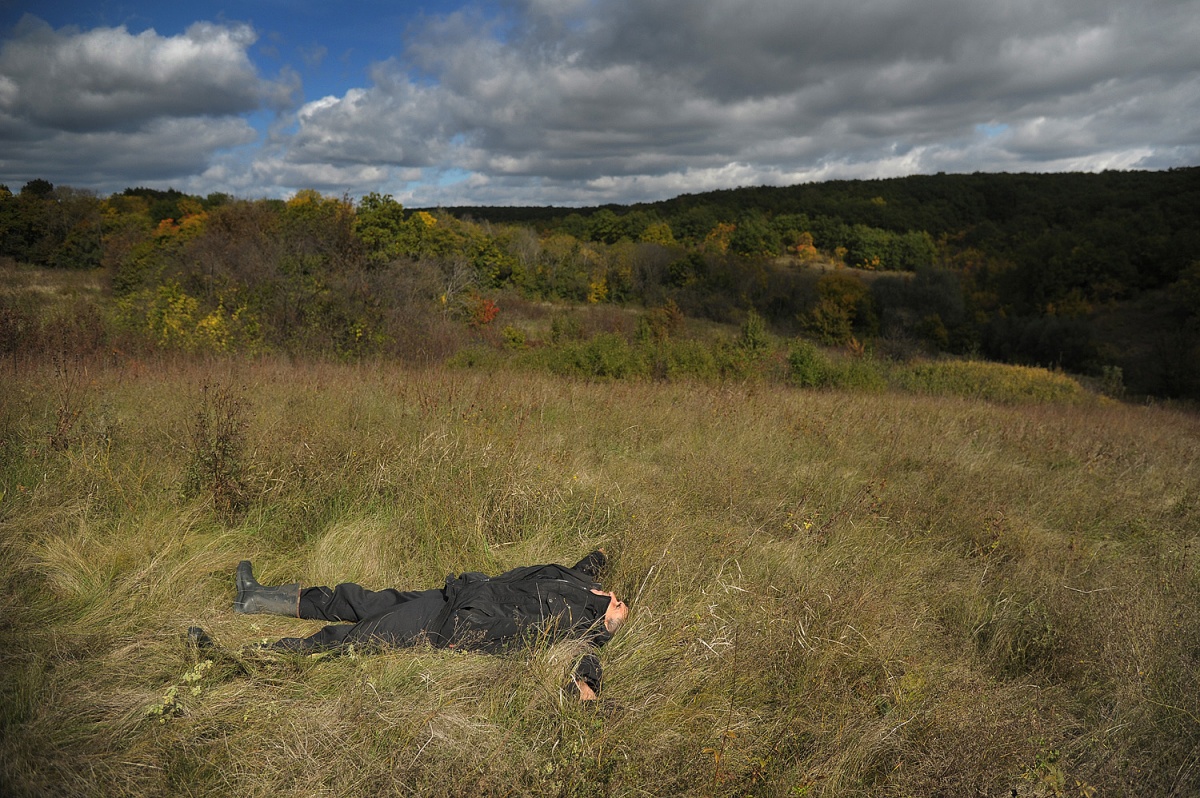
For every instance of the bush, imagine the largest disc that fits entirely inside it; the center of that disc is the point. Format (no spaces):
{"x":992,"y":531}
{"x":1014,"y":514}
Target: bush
{"x":476,"y":357}
{"x":844,"y":305}
{"x":607,"y":356}
{"x":659,"y":324}
{"x":754,"y":340}
{"x":173,"y":319}
{"x":688,"y":358}
{"x":216,"y":451}
{"x":860,"y":374}
{"x":514,"y":337}
{"x":991,"y":381}
{"x":564,"y":327}
{"x":808,"y":367}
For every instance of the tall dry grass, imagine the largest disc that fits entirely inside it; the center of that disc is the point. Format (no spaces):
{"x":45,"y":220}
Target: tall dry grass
{"x":835,"y":594}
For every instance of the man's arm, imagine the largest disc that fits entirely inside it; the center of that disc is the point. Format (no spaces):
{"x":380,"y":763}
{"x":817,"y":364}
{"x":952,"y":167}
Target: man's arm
{"x":587,"y":677}
{"x":592,"y":564}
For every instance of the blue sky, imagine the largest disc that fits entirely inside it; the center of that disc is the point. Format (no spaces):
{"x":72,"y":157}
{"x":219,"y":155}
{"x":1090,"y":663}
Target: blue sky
{"x":573,"y":102}
{"x":328,"y":45}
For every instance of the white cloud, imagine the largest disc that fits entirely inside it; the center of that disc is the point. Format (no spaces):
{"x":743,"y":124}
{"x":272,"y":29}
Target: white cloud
{"x":110,"y":79}
{"x":596,"y":101}
{"x":616,"y":100}
{"x":91,"y":108}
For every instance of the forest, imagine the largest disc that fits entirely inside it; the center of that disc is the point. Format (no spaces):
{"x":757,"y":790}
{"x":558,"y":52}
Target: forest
{"x":1094,"y":274}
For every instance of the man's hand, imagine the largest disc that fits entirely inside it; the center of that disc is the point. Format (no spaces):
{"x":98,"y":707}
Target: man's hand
{"x":586,"y":693}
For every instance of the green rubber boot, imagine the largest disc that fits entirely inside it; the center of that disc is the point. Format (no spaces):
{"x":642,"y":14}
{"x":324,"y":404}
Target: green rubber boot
{"x":253,"y":598}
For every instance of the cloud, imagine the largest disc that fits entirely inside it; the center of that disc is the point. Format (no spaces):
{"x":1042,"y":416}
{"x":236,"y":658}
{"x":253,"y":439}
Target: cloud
{"x":91,"y":107}
{"x":314,"y":55}
{"x":619,"y":100}
{"x":162,"y":150}
{"x":592,"y":101}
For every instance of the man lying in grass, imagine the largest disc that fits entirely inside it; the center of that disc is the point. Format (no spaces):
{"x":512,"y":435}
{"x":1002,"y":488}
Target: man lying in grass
{"x":472,"y":611}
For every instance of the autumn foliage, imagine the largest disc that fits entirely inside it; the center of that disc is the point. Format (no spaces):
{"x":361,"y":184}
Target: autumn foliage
{"x":1088,"y":273}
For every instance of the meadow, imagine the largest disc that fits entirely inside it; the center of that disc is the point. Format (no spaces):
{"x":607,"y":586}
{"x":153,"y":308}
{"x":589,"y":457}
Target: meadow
{"x":834,"y":592}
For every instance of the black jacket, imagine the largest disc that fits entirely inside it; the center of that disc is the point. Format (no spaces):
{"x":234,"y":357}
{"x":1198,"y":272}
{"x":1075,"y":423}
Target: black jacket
{"x":524,"y":605}
{"x":531,"y":604}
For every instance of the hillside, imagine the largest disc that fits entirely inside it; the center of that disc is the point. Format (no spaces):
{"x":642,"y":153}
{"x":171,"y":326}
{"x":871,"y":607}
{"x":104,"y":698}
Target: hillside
{"x":1054,"y":269}
{"x":1094,"y":274}
{"x":834,"y":592}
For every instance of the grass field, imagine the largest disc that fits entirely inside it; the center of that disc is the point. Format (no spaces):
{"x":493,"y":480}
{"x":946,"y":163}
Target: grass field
{"x":834,"y":593}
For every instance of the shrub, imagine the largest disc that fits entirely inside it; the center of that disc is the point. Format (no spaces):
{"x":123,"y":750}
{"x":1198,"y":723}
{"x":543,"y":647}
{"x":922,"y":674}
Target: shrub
{"x":687,"y":358}
{"x":609,"y":355}
{"x":173,"y":319}
{"x":216,"y":449}
{"x":659,"y":324}
{"x":844,"y":305}
{"x":860,"y":374}
{"x":481,"y":311}
{"x":606,"y":355}
{"x":1112,"y":381}
{"x":475,"y":357}
{"x":808,"y":367}
{"x":992,"y":381}
{"x":19,"y":325}
{"x":564,"y":327}
{"x":754,"y":340}
{"x":733,"y":362}
{"x":514,"y":337}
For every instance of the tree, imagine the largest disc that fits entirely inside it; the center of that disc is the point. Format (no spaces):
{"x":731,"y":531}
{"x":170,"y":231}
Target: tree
{"x":717,"y":240}
{"x":38,"y":189}
{"x":867,"y":247}
{"x":754,"y":237}
{"x":658,"y":233}
{"x":1186,"y":290}
{"x":379,"y":223}
{"x":753,"y":339}
{"x":318,"y":222}
{"x":843,"y":305}
{"x":687,"y":270}
{"x":605,"y":226}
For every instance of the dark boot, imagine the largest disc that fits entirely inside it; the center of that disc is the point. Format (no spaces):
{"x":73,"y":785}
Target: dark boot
{"x":255,"y":598}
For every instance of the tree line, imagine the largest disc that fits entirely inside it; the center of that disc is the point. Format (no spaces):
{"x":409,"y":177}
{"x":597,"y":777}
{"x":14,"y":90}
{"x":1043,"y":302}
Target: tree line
{"x":1088,"y":272}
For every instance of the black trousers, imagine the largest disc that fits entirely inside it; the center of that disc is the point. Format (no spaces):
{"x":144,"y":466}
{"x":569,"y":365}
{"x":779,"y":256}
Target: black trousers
{"x":379,"y":617}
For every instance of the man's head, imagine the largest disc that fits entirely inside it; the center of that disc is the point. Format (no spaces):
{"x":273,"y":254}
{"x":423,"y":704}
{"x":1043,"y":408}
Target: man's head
{"x":616,"y":613}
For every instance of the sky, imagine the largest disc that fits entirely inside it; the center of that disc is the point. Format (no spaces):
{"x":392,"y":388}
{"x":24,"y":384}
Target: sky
{"x":585,"y":102}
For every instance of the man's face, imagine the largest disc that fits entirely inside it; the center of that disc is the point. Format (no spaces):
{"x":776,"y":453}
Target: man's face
{"x":617,"y":610}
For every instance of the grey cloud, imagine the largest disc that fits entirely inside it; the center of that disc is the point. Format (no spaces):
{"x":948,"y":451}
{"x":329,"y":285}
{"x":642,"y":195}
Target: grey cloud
{"x":104,"y":106}
{"x":109,"y":79}
{"x":624,"y":96}
{"x":584,"y":101}
{"x":164,"y":150}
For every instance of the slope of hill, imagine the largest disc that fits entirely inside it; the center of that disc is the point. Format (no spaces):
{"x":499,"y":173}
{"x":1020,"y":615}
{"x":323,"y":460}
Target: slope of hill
{"x":1058,"y":271}
{"x":833,"y":593}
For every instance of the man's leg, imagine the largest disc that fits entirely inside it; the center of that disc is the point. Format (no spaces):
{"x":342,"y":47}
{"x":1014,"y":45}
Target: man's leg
{"x":346,"y":602}
{"x":403,"y":625}
{"x":352,"y":603}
